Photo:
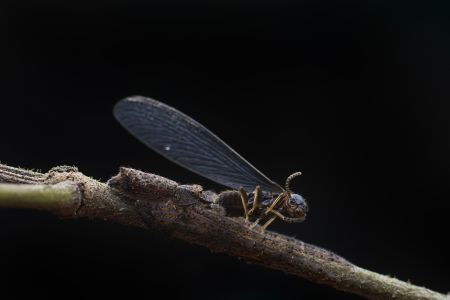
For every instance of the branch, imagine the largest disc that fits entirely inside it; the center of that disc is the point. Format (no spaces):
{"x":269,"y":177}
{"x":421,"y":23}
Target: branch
{"x":185,"y":212}
{"x":63,"y":198}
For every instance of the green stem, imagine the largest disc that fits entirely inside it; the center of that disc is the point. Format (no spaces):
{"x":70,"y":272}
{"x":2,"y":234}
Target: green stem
{"x":62,"y":199}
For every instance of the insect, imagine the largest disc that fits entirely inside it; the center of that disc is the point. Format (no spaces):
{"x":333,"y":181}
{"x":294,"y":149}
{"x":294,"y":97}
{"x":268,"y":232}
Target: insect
{"x":189,"y":144}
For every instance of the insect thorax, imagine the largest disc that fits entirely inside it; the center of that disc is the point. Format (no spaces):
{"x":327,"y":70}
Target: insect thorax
{"x":232,"y":202}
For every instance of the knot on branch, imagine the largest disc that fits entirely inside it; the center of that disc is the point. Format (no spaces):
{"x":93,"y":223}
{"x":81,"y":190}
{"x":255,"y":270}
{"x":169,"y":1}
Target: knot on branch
{"x":141,"y":185}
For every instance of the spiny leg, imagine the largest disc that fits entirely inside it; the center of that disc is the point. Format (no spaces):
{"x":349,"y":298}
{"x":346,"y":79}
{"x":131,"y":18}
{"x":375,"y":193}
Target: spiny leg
{"x":257,"y":196}
{"x":244,"y":200}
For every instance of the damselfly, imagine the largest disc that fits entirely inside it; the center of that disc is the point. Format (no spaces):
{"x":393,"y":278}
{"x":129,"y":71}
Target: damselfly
{"x":186,"y":142}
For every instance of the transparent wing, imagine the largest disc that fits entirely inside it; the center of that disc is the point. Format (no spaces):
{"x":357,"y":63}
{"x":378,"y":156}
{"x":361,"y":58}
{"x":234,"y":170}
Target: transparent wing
{"x":186,"y":142}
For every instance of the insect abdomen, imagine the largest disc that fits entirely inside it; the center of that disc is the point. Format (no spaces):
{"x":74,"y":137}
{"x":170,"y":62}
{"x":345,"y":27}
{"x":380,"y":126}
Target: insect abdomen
{"x":231,"y":201}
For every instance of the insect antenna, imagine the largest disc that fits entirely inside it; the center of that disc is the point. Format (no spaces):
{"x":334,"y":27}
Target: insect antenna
{"x":289,"y":179}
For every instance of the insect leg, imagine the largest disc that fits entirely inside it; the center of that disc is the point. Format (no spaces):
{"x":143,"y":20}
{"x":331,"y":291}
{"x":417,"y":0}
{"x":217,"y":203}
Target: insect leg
{"x":282,"y":217}
{"x":267,"y":211}
{"x":244,"y":200}
{"x":255,"y":223}
{"x":287,"y":219}
{"x":269,"y":222}
{"x":257,"y":195}
{"x":274,"y":203}
{"x":279,"y":215}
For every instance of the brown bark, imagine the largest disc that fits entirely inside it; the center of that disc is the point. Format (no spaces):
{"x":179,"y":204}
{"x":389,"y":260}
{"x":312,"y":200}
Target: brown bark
{"x":185,"y":212}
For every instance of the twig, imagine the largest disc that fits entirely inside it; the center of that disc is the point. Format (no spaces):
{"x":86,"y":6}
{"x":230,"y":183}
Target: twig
{"x":63,"y":198}
{"x":185,"y":212}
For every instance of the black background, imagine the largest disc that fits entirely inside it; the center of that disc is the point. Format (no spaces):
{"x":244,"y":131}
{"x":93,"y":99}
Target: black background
{"x":355,"y":95}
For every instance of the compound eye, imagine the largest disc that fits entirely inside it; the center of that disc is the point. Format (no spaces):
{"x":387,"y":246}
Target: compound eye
{"x":296,"y":199}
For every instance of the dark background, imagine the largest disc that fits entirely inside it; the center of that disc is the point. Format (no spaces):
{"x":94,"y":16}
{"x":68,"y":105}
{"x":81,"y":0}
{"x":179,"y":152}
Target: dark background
{"x":353,"y":94}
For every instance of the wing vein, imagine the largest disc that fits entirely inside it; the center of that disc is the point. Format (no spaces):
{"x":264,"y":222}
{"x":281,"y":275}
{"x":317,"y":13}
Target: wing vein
{"x":186,"y":142}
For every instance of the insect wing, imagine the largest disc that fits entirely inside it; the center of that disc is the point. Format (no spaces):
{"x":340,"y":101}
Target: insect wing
{"x":186,"y":142}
